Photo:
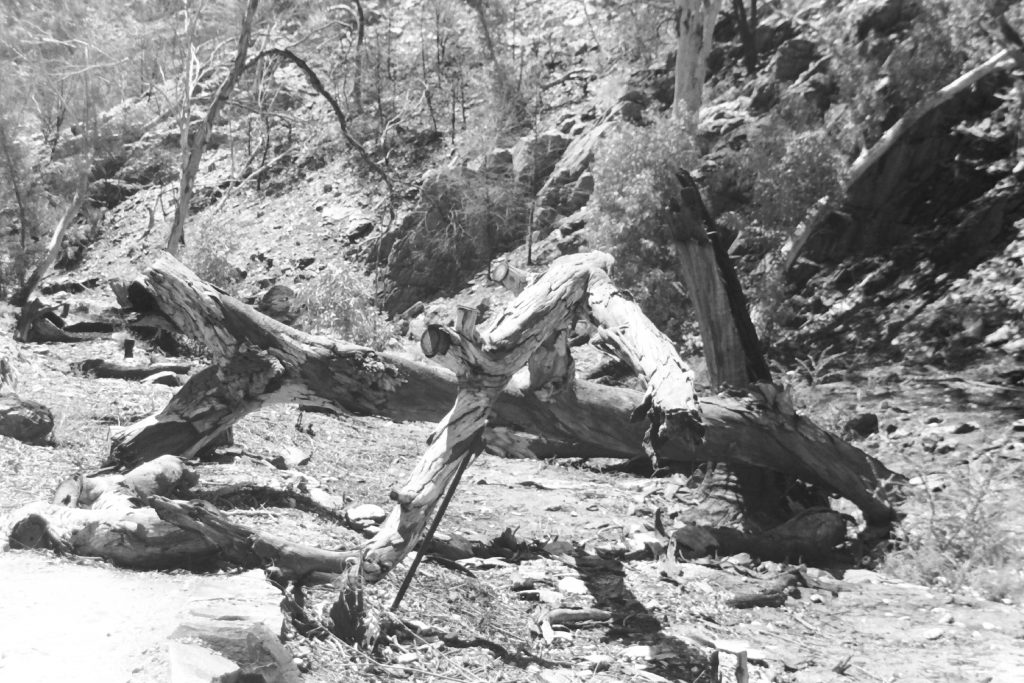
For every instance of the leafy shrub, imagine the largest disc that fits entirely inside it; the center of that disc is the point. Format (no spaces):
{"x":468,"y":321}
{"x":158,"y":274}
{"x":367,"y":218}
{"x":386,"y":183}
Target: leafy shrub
{"x":340,"y":302}
{"x":963,"y":536}
{"x":463,"y":219}
{"x":630,"y":211}
{"x":206,"y":253}
{"x":789,"y":169}
{"x":882,"y":76}
{"x":16,"y":263}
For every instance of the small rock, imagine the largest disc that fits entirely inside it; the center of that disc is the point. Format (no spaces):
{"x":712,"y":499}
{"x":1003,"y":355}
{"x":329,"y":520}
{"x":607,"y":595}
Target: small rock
{"x":407,"y":658}
{"x":24,"y":420}
{"x":636,"y":652}
{"x":559,"y":547}
{"x":861,"y":576}
{"x":966,"y":428}
{"x":598,"y":662}
{"x":933,"y":420}
{"x":794,"y":56}
{"x":945,"y":618}
{"x":279,"y":303}
{"x":572,"y":586}
{"x":362,"y":516}
{"x":933,"y":634}
{"x":739,"y":559}
{"x":290,"y":457}
{"x":549,"y":597}
{"x":1018,"y":425}
{"x":863,"y":424}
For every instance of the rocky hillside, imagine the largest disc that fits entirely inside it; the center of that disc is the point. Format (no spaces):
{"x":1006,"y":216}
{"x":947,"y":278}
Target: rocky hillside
{"x":862,"y":162}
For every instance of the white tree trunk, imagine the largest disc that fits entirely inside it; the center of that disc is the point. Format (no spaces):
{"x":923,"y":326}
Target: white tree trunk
{"x":696,"y":25}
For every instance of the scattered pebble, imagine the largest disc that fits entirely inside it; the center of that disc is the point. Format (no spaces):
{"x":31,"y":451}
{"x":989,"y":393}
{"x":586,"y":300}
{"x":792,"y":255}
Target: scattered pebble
{"x":572,"y":586}
{"x":933,"y":634}
{"x":636,"y":652}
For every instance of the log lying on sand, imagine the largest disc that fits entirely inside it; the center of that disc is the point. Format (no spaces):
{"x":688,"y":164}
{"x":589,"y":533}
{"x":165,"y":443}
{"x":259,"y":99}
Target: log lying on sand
{"x":99,"y":367}
{"x":261,"y":361}
{"x":100,"y":517}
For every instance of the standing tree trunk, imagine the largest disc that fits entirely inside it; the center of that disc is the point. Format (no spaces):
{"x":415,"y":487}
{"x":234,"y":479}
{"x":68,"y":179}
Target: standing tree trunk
{"x":747,"y":24}
{"x":695,"y":26}
{"x":194,"y":141}
{"x":13,"y":172}
{"x":753,"y":496}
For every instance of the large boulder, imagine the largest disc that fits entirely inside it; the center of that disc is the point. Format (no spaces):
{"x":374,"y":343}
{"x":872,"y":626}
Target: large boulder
{"x":570,"y":183}
{"x":534,"y":157}
{"x":461,"y":219}
{"x":24,"y":420}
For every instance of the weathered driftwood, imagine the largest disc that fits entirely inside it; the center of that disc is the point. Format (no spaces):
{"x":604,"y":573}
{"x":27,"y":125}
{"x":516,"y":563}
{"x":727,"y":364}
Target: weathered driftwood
{"x":100,"y":517}
{"x":246,"y":547}
{"x":535,"y":323}
{"x":262,"y":361}
{"x":100,"y":367}
{"x":670,"y":402}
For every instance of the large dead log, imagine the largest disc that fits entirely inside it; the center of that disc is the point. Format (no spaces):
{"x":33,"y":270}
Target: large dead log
{"x":100,"y":517}
{"x":262,"y":361}
{"x":99,"y":367}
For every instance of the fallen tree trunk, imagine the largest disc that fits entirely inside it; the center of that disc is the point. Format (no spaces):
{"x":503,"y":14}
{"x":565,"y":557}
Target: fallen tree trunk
{"x":99,"y":517}
{"x":262,"y":361}
{"x":99,"y":367}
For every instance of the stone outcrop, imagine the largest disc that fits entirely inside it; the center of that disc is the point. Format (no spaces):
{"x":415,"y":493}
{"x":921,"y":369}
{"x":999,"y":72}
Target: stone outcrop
{"x":231,"y":631}
{"x":24,"y":420}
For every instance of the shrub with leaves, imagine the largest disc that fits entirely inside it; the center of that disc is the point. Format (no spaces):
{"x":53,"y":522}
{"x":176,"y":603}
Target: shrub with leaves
{"x":630,"y":216}
{"x":961,"y":535}
{"x":463,"y":218}
{"x":880,"y":77}
{"x":789,"y":166}
{"x":340,"y":302}
{"x":206,"y":253}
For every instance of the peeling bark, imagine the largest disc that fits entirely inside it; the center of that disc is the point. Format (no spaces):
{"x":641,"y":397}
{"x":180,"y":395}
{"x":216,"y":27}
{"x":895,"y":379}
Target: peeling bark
{"x":285,"y":365}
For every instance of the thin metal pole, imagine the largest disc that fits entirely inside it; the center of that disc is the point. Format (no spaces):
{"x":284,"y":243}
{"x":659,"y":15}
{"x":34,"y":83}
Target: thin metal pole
{"x":433,"y":526}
